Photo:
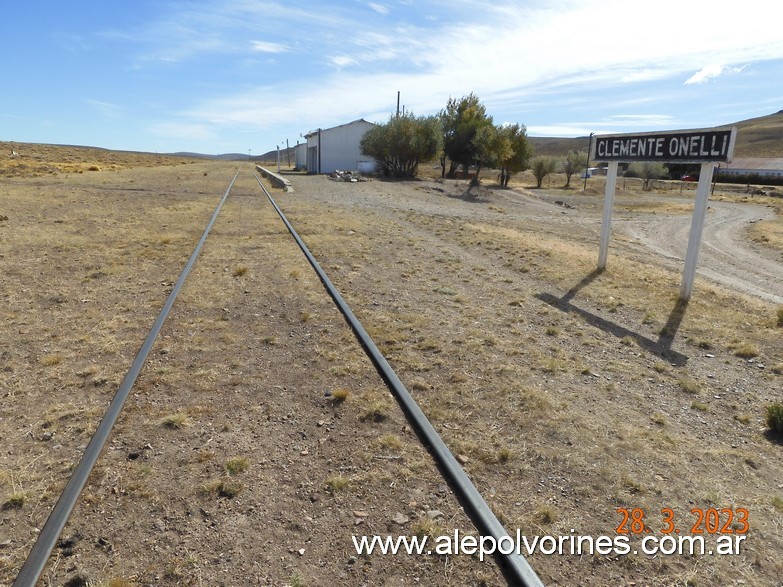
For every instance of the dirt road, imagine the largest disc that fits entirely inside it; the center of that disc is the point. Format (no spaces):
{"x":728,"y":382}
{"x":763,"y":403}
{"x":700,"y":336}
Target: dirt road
{"x":726,"y":254}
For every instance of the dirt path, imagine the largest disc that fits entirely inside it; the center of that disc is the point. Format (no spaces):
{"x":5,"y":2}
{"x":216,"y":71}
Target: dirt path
{"x":725,"y":256}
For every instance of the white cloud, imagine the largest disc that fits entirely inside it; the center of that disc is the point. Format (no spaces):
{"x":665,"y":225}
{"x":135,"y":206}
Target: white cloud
{"x":379,"y":8}
{"x":607,"y":125}
{"x":343,"y":60}
{"x":268,"y":47}
{"x":711,"y":71}
{"x":533,"y":54}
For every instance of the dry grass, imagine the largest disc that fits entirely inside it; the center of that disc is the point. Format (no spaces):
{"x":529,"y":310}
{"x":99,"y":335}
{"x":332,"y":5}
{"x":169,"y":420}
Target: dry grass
{"x":237,"y":465}
{"x":176,"y":421}
{"x":768,"y":233}
{"x":227,"y":488}
{"x":336,"y":483}
{"x":48,"y":160}
{"x":340,"y":395}
{"x":527,"y":394}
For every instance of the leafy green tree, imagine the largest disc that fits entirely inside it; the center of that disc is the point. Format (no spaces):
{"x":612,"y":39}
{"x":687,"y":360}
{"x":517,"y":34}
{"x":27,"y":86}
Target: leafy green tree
{"x":572,"y":163}
{"x":461,"y":120}
{"x":402,"y":143}
{"x":647,"y":171}
{"x":513,"y":151}
{"x":489,"y":145}
{"x":542,"y":166}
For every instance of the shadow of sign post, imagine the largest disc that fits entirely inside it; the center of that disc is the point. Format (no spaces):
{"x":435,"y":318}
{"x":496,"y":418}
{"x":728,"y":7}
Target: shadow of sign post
{"x":705,"y":147}
{"x":661,"y":347}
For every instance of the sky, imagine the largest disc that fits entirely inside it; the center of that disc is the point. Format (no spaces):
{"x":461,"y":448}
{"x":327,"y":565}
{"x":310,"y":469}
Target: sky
{"x":243,"y":76}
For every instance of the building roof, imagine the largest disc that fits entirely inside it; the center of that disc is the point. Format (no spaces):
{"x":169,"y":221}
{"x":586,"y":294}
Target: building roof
{"x":755,"y":163}
{"x":314,"y":132}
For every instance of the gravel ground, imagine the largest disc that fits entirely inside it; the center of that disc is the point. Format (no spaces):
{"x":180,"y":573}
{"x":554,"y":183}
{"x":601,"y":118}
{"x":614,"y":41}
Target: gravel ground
{"x":259,"y":439}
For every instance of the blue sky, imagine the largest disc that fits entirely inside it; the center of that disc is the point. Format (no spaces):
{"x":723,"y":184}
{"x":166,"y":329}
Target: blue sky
{"x":218,"y":76}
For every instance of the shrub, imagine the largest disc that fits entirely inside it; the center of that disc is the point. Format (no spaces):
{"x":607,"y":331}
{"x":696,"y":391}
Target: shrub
{"x":775,"y":418}
{"x":236,"y":465}
{"x":402,"y":143}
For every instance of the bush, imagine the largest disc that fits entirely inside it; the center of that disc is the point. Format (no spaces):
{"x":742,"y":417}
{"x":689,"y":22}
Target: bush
{"x":402,"y":143}
{"x":775,"y":418}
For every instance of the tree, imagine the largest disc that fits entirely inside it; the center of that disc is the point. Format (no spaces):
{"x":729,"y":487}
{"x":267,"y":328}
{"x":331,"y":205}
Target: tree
{"x":488,"y":144}
{"x":647,"y":170}
{"x":513,"y":151}
{"x":461,"y":120}
{"x":541,"y":167}
{"x":572,"y":163}
{"x":402,"y":143}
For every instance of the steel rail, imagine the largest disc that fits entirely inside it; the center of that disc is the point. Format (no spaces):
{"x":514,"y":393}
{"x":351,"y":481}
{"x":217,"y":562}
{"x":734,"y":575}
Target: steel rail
{"x":44,"y":544}
{"x":514,"y":567}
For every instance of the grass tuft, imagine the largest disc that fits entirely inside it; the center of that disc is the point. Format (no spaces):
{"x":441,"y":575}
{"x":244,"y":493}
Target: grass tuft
{"x":51,"y":360}
{"x":240,"y":270}
{"x":376,"y":412}
{"x":227,"y":488}
{"x":236,"y":465}
{"x":339,"y":395}
{"x":335,"y":483}
{"x":445,"y":290}
{"x":746,"y":351}
{"x":175,"y":421}
{"x":689,"y":385}
{"x":546,"y":514}
{"x":15,"y":501}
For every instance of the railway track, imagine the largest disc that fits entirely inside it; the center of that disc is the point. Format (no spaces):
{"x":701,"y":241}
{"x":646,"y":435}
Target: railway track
{"x":514,"y":567}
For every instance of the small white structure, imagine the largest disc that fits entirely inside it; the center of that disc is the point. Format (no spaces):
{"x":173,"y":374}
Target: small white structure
{"x":330,"y":149}
{"x":300,"y":155}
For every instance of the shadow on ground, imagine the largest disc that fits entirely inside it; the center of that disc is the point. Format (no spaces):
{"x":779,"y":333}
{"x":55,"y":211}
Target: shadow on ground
{"x":661,"y":347}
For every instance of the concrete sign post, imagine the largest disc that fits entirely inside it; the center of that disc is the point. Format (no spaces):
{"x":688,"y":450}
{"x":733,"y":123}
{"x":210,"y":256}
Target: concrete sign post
{"x":606,"y":223}
{"x":705,"y":147}
{"x":697,"y":227}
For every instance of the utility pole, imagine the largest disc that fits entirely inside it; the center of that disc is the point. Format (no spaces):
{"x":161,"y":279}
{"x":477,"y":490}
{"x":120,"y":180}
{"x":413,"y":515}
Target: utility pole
{"x":587,"y":163}
{"x":398,"y":103}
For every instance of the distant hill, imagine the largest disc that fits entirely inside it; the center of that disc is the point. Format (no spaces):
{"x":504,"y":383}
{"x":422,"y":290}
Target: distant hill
{"x":557,"y":146}
{"x":756,"y":137}
{"x":222,"y":156}
{"x":760,"y":137}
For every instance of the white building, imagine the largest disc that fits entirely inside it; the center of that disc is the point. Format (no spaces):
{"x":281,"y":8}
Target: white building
{"x":760,"y":166}
{"x":330,"y":149}
{"x":300,"y":155}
